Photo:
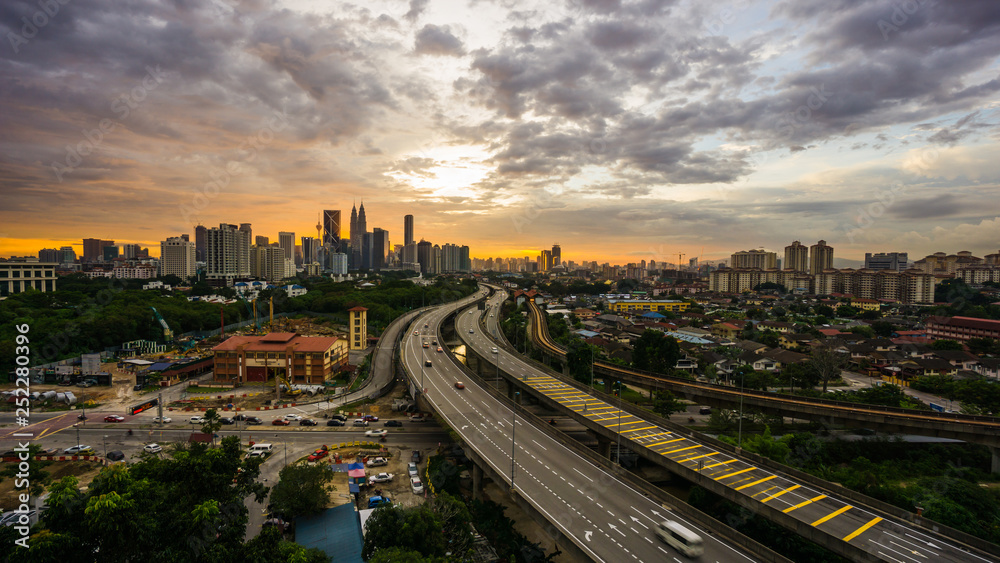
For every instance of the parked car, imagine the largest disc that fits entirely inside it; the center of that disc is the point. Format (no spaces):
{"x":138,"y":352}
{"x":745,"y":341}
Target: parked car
{"x":416,"y":486}
{"x":293,"y":417}
{"x":334,"y":422}
{"x":78,"y":449}
{"x":377,"y":462}
{"x":165,"y":419}
{"x":241,"y":417}
{"x":114,"y":418}
{"x":340,"y":417}
{"x":419,"y":417}
{"x":254,"y":420}
{"x":197,"y":420}
{"x":370,"y":418}
{"x":393,"y":423}
{"x":320,"y":453}
{"x":415,"y":456}
{"x":227,"y":421}
{"x":152,"y":448}
{"x":307,"y":422}
{"x":380,"y":478}
{"x":376,"y":433}
{"x":375,"y":502}
{"x":412,"y":470}
{"x":360,"y":422}
{"x":705,"y":410}
{"x":116,"y":455}
{"x":459,"y":385}
{"x":134,"y":388}
{"x":280,"y":422}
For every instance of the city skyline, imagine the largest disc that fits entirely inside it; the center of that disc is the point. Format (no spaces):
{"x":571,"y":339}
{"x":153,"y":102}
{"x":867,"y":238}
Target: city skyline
{"x":624,"y":131}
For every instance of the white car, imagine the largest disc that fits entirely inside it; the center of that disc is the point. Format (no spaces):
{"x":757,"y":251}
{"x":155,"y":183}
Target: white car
{"x":416,"y":486}
{"x":412,"y":470}
{"x":378,"y":433}
{"x":78,"y":449}
{"x":495,"y":350}
{"x":152,"y":448}
{"x":293,"y":417}
{"x":377,"y":461}
{"x":380,"y":478}
{"x":197,"y":420}
{"x":165,"y":419}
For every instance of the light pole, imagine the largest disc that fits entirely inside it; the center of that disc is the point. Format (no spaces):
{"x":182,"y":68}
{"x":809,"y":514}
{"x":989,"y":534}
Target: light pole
{"x":105,"y":446}
{"x":513,"y":443}
{"x":77,"y":426}
{"x":739,"y":440}
{"x":618,"y":448}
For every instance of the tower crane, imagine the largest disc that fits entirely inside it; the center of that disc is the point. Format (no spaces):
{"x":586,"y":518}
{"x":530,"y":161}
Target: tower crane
{"x":168,"y":335}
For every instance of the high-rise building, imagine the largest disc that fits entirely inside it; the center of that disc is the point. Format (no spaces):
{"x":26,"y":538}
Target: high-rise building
{"x":797,"y":257}
{"x":49,"y":255}
{"x":424,"y":256}
{"x":545,"y":261}
{"x":338,"y":263}
{"x":111,"y":252}
{"x":200,"y":242}
{"x":331,"y":232}
{"x":227,"y":253}
{"x":754,"y":259}
{"x":309,"y":250}
{"x":692,"y":264}
{"x":820,"y":257}
{"x":261,"y":240}
{"x":896,"y":261}
{"x":380,"y":248}
{"x":407,"y":229}
{"x":286,"y":241}
{"x":177,"y":258}
{"x":68,"y":255}
{"x":557,"y":255}
{"x":93,"y":249}
{"x":268,"y":263}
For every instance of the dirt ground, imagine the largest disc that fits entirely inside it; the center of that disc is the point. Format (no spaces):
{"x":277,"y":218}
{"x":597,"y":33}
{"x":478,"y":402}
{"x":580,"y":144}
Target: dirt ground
{"x":85,"y":471}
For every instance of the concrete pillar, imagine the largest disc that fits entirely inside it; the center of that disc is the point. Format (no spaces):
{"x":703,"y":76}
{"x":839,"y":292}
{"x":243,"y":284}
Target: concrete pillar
{"x":604,"y":447}
{"x":510,"y":392}
{"x":477,"y":482}
{"x":995,"y":461}
{"x":565,"y":368}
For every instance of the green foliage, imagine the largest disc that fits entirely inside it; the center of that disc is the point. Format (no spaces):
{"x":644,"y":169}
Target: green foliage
{"x":804,"y":375}
{"x":946,"y":345}
{"x":978,"y":396}
{"x":983,"y":346}
{"x":579,"y":357}
{"x":665,"y":404}
{"x":302,"y":489}
{"x":765,"y":445}
{"x":866,"y":331}
{"x":185,"y":508}
{"x":443,"y":474}
{"x":655,"y":352}
{"x":499,"y":530}
{"x":269,"y":547}
{"x":883,"y":329}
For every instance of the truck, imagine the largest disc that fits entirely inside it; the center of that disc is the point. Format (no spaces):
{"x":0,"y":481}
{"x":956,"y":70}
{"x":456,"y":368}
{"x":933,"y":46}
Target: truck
{"x":936,"y":407}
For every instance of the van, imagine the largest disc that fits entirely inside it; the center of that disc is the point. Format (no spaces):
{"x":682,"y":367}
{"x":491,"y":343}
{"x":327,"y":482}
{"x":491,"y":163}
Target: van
{"x":680,"y":538}
{"x":263,"y":448}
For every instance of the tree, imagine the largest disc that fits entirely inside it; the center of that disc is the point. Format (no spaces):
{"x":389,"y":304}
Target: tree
{"x":417,"y":529}
{"x":654,"y":351}
{"x":303,"y":489}
{"x":883,"y":328}
{"x":846,"y":311}
{"x":665,"y":404}
{"x":980,"y":346}
{"x":213,"y":422}
{"x":823,"y":311}
{"x":946,"y":345}
{"x":827,"y":363}
{"x":866,"y":331}
{"x":802,"y":375}
{"x":579,"y":358}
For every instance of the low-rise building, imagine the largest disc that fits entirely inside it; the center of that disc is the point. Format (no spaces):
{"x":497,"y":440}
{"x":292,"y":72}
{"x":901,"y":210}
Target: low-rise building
{"x":633,"y":305}
{"x":299,"y":359}
{"x":962,"y":328}
{"x":22,"y":274}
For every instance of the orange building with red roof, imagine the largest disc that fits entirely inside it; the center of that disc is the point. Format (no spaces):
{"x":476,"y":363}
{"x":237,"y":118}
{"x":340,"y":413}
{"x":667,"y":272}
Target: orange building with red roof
{"x":307,"y":360}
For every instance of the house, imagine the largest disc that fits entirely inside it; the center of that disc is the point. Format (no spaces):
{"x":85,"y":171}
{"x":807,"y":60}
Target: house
{"x":789,"y":341}
{"x":726,"y":330}
{"x":751,"y":346}
{"x":584,"y":314}
{"x":988,"y":367}
{"x":935,"y":366}
{"x":866,"y":304}
{"x":723,"y":365}
{"x":687,"y":363}
{"x":784,"y":328}
{"x":958,"y":358}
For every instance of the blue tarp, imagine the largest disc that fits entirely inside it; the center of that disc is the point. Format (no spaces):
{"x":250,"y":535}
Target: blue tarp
{"x":159,"y":366}
{"x":336,"y":532}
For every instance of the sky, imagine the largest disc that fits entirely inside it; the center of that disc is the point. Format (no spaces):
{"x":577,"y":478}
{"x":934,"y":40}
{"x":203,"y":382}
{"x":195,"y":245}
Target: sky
{"x":621,"y":130}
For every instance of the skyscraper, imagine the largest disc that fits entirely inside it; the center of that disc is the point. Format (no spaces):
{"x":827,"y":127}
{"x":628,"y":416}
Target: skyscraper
{"x":286,"y":241}
{"x":200,"y":242}
{"x":331,"y":230}
{"x":754,"y":259}
{"x":557,"y":255}
{"x":407,"y":229}
{"x":797,"y":257}
{"x":380,"y":247}
{"x":228,"y":253}
{"x":820,"y":257}
{"x":308,"y":250}
{"x":93,"y":249}
{"x":896,"y":261}
{"x":261,"y":241}
{"x":424,"y":255}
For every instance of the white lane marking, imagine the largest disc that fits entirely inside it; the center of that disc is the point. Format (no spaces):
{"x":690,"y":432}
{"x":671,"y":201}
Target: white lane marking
{"x":581,"y":473}
{"x":540,"y":446}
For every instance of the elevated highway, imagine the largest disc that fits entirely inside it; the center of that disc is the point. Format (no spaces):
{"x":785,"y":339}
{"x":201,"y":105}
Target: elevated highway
{"x":597,"y":509}
{"x":854,"y":526}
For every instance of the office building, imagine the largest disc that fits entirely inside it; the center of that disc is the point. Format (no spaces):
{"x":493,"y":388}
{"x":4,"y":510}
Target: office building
{"x":380,"y":248}
{"x":331,"y":231}
{"x":797,"y":257}
{"x":68,"y":255}
{"x":227,"y":254}
{"x":177,"y":258}
{"x":896,"y":261}
{"x":19,"y":274}
{"x":261,"y":240}
{"x":309,"y":248}
{"x":131,"y":251}
{"x":556,"y":255}
{"x":200,"y":242}
{"x":110,"y":253}
{"x":424,"y":256}
{"x":49,"y":255}
{"x":286,"y":241}
{"x":754,"y":259}
{"x":820,"y":257}
{"x":93,"y":249}
{"x":407,"y":230}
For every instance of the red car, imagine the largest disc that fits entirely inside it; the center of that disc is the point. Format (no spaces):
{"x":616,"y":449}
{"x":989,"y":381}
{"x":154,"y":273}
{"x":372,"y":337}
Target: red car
{"x":318,"y":454}
{"x":371,"y":418}
{"x":114,"y":418}
{"x":459,"y":385}
{"x":280,"y":422}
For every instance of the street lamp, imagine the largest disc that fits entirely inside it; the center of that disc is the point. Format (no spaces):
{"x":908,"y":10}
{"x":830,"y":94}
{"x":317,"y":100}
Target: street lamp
{"x":77,"y":426}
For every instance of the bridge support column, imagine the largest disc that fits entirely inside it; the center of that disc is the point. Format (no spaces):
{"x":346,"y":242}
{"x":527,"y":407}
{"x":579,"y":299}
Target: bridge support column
{"x":510,"y":392}
{"x":604,"y":447}
{"x":477,"y":482}
{"x":565,"y":368}
{"x":995,"y":459}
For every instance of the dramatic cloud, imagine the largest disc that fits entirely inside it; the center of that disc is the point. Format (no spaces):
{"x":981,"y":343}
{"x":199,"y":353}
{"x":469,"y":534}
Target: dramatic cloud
{"x":621,"y":129}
